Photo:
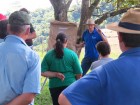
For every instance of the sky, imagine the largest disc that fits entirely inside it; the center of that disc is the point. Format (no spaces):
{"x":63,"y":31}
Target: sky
{"x":31,"y":5}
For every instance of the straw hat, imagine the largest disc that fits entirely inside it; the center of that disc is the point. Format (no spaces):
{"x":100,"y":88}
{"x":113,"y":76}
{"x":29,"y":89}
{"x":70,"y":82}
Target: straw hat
{"x":90,"y":21}
{"x":129,"y":23}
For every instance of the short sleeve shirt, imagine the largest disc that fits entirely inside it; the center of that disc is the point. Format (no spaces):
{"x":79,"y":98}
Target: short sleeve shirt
{"x":90,"y":40}
{"x":20,"y":69}
{"x":100,"y":62}
{"x":69,"y":65}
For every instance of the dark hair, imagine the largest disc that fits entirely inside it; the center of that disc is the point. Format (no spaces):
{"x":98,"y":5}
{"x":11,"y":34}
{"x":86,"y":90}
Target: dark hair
{"x":25,"y":10}
{"x":130,"y":40}
{"x":103,"y":48}
{"x":3,"y":28}
{"x":60,"y":40}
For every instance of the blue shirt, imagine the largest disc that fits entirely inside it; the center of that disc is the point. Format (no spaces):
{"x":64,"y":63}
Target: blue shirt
{"x":20,"y":69}
{"x":115,"y":83}
{"x":1,"y":40}
{"x":90,"y":40}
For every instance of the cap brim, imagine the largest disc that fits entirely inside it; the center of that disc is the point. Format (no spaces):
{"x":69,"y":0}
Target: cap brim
{"x":115,"y":27}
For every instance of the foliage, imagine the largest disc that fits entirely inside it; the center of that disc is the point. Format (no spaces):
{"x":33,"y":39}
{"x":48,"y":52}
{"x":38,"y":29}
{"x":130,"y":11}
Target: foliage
{"x":41,"y":19}
{"x":44,"y":98}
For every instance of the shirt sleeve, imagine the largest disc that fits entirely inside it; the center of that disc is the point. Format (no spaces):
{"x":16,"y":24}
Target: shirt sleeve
{"x":76,"y":65}
{"x":94,"y":64}
{"x":85,"y":91}
{"x":44,"y":64}
{"x":32,"y":78}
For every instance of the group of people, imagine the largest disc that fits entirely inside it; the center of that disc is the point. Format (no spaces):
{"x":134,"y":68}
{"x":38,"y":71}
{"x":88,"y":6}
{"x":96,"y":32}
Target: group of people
{"x":111,"y":82}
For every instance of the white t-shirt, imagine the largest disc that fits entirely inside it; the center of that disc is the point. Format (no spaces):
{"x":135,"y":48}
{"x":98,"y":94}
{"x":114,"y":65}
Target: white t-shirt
{"x":100,"y":62}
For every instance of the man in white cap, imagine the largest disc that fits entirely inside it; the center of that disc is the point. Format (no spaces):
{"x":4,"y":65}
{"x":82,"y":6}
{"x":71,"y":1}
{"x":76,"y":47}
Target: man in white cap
{"x":90,"y":38}
{"x":115,"y":83}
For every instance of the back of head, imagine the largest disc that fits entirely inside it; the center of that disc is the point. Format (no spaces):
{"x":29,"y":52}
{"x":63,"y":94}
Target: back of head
{"x":18,"y":21}
{"x":24,"y":10}
{"x":61,"y":39}
{"x":103,"y":48}
{"x":3,"y":28}
{"x":128,"y":28}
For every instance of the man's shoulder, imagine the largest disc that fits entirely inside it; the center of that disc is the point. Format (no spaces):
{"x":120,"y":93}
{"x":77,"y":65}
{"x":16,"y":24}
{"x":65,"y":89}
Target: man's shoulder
{"x":30,"y":53}
{"x":70,"y":52}
{"x":85,"y":31}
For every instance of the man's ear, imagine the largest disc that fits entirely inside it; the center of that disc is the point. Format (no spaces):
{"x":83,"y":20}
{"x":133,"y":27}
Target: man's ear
{"x":120,"y":37}
{"x":8,"y":28}
{"x":27,"y":31}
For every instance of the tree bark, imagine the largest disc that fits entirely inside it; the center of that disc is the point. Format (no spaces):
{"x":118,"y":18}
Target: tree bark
{"x":93,"y":7}
{"x":83,"y":19}
{"x":60,"y":9}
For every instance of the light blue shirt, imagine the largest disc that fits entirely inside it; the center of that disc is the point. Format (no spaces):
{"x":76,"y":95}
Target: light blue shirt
{"x":1,"y":40}
{"x":100,"y":62}
{"x":20,"y":69}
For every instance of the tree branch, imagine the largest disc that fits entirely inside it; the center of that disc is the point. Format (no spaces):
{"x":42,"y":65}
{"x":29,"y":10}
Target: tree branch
{"x":68,"y":4}
{"x":92,"y":7}
{"x":111,"y":14}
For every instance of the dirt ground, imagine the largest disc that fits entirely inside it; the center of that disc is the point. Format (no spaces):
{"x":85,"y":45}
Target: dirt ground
{"x":113,"y":40}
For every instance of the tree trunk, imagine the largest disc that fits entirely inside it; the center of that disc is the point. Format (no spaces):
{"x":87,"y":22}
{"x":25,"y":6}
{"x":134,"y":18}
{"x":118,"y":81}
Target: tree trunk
{"x":84,"y":17}
{"x":60,"y":9}
{"x":93,"y":7}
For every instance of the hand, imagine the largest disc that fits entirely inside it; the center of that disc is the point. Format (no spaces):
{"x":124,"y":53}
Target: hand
{"x":99,"y":31}
{"x":60,"y":76}
{"x":82,"y":44}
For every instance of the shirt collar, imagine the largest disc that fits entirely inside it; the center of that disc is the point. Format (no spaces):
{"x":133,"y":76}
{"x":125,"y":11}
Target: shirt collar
{"x":15,"y":38}
{"x":92,"y":31}
{"x":134,"y":51}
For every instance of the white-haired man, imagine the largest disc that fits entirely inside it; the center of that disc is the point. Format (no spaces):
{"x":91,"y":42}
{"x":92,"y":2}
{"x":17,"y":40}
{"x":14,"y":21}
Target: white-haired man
{"x":20,"y":68}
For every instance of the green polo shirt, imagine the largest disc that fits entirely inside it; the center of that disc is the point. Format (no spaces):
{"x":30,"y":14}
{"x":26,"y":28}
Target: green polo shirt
{"x":69,"y":65}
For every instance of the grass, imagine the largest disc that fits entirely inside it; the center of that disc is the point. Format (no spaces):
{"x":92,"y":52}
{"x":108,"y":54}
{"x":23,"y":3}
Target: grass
{"x":44,"y":98}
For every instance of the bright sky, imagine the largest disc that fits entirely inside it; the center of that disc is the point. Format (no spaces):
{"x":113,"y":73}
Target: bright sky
{"x":31,"y":5}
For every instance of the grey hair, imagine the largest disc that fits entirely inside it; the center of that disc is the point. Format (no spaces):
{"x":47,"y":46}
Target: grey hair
{"x":18,"y":28}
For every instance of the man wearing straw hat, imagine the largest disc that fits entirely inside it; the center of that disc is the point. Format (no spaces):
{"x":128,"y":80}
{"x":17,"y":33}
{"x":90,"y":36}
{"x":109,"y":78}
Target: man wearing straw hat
{"x":90,"y":38}
{"x":115,"y":83}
